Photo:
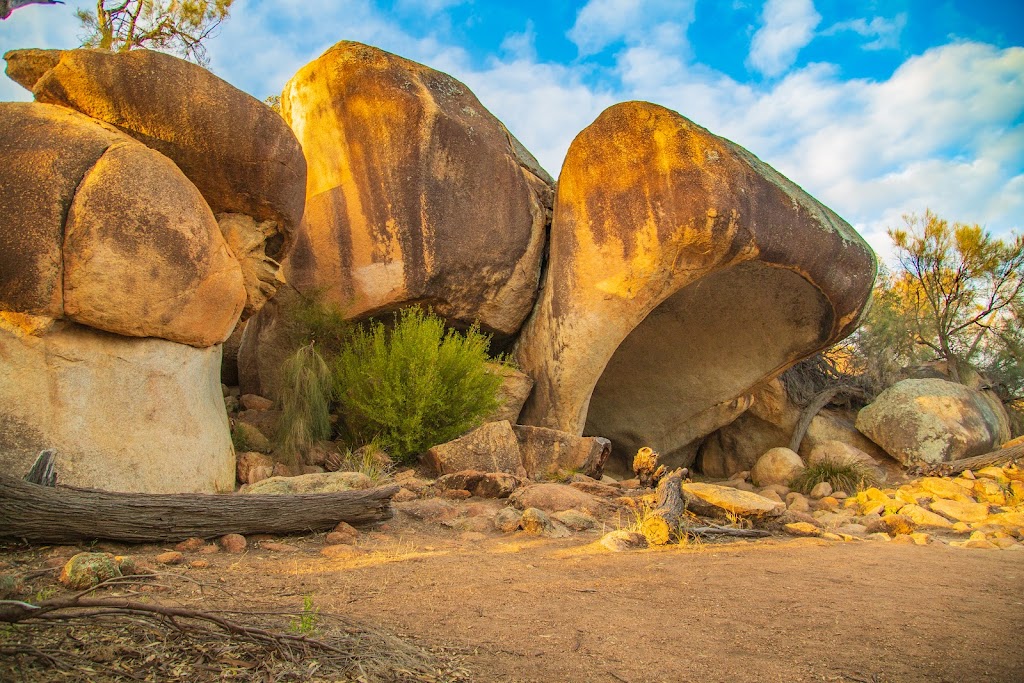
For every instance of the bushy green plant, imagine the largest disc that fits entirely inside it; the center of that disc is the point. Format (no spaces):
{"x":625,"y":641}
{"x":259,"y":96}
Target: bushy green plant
{"x":415,"y":385}
{"x":843,"y":476}
{"x":371,"y":460}
{"x":306,"y":392}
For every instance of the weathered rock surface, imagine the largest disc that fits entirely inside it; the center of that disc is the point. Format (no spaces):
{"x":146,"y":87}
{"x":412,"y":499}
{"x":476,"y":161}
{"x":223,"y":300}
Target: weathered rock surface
{"x":124,"y":414}
{"x":550,"y":451}
{"x":622,"y":541}
{"x":416,"y":193}
{"x":515,"y":389}
{"x":481,"y":484}
{"x":928,"y":421}
{"x":108,"y":233}
{"x":85,"y":570}
{"x":324,"y":482}
{"x":556,"y":498}
{"x":249,"y":242}
{"x":489,"y":448}
{"x":777,"y":466}
{"x":235,"y":149}
{"x":713,"y":499}
{"x":682,"y":272}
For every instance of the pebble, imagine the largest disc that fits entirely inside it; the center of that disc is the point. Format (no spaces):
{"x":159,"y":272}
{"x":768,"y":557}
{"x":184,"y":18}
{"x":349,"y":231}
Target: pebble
{"x":170,"y":557}
{"x":233,"y":543}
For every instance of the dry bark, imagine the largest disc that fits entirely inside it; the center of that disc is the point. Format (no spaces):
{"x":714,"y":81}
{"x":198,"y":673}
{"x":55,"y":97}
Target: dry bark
{"x":662,"y":523}
{"x":819,"y":401}
{"x":992,"y":458}
{"x":43,"y":514}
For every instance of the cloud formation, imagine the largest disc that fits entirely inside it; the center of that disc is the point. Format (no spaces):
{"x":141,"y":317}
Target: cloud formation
{"x":788,"y":26}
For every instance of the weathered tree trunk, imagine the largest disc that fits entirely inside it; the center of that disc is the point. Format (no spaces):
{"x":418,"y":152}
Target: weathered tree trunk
{"x":1000,"y":457}
{"x":814,"y":407}
{"x":60,"y":515}
{"x":646,"y":467}
{"x":662,"y":523}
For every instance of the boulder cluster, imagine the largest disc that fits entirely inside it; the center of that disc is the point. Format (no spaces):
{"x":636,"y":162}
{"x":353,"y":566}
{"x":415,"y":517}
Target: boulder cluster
{"x":160,"y":228}
{"x":144,"y":202}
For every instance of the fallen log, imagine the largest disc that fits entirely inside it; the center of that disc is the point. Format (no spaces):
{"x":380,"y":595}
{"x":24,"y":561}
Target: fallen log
{"x":999,"y":457}
{"x":43,"y":514}
{"x":661,"y":525}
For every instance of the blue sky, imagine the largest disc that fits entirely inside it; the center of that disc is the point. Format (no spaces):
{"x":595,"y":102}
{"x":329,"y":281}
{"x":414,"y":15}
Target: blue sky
{"x":877,"y":108}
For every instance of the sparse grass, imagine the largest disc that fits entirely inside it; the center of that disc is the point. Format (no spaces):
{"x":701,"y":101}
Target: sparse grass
{"x":306,"y":393}
{"x":370,"y":460}
{"x":414,"y":386}
{"x":306,"y":622}
{"x":843,"y":476}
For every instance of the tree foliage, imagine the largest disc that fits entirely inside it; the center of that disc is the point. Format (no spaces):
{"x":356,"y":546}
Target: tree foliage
{"x":176,"y":26}
{"x":957,"y":295}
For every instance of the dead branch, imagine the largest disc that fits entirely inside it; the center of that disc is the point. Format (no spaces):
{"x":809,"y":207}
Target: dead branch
{"x":1000,"y":457}
{"x":662,"y":524}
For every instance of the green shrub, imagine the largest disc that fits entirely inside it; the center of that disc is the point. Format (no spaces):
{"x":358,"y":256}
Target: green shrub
{"x":321,"y":323}
{"x":306,"y":393}
{"x":414,"y":386}
{"x":843,"y":476}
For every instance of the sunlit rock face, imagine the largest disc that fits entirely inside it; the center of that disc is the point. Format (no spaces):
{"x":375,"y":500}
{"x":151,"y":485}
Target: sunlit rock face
{"x":116,"y":290}
{"x":682,"y":272}
{"x":415,"y":193}
{"x":106,"y":232}
{"x":235,"y":149}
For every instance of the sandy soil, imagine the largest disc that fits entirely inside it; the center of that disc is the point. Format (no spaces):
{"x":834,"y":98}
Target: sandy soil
{"x":519,"y":608}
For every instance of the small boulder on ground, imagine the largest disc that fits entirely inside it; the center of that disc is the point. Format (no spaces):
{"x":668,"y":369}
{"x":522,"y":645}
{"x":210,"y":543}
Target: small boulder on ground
{"x":622,"y":540}
{"x":556,"y":498}
{"x":550,"y":451}
{"x":777,"y":466}
{"x":713,"y":500}
{"x":508,"y":520}
{"x":233,"y":543}
{"x":491,"y":447}
{"x":252,"y":467}
{"x":85,"y":570}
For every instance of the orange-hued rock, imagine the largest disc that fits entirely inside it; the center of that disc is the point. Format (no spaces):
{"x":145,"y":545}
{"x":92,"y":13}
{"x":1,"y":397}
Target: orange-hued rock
{"x":237,"y":151}
{"x":143,"y":255}
{"x":38,"y":178}
{"x":682,"y":272}
{"x":416,"y":193}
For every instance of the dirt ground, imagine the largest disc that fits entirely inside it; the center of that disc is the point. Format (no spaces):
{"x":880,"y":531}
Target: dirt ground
{"x":520,"y":608}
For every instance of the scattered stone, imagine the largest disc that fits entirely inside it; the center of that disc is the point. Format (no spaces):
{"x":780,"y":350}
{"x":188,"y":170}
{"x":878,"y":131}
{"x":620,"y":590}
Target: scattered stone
{"x":456,"y":494}
{"x":535,"y":521}
{"x":633,"y":483}
{"x":894,"y":525}
{"x":713,"y":499}
{"x":840,"y":495}
{"x":481,"y":484}
{"x":232,"y":543}
{"x":781,"y":490}
{"x":879,"y":536}
{"x":190,"y":545}
{"x":921,"y":538}
{"x":802,"y":529}
{"x":85,"y":570}
{"x":829,"y":536}
{"x":491,"y":447}
{"x":941,"y":488}
{"x":249,"y":438}
{"x":255,"y":402}
{"x":826,"y":503}
{"x":852,"y":529}
{"x":403,"y":495}
{"x":771,"y":495}
{"x":744,"y":486}
{"x":170,"y":557}
{"x":621,"y":541}
{"x":508,"y":520}
{"x":595,"y":488}
{"x":328,"y":482}
{"x":209,"y":549}
{"x":199,"y":564}
{"x":777,"y":466}
{"x":797,"y":502}
{"x":576,"y":520}
{"x":230,"y":404}
{"x":278,"y":547}
{"x":821,"y":490}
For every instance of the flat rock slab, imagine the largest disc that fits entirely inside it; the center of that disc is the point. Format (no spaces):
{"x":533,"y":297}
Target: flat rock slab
{"x":727,"y":499}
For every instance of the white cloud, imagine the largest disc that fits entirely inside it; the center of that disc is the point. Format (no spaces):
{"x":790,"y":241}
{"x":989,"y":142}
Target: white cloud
{"x":605,"y":22}
{"x":521,"y":45}
{"x":788,"y":26}
{"x":885,"y":32}
{"x":428,"y":7}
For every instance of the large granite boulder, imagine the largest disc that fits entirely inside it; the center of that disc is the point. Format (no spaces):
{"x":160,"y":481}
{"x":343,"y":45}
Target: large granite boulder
{"x":234,"y":148}
{"x":682,"y":272}
{"x":106,"y":232}
{"x":124,"y":414}
{"x":416,"y":193}
{"x":930,"y":421}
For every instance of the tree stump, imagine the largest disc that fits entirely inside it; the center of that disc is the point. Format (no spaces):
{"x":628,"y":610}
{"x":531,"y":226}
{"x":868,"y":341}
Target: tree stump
{"x":661,"y":524}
